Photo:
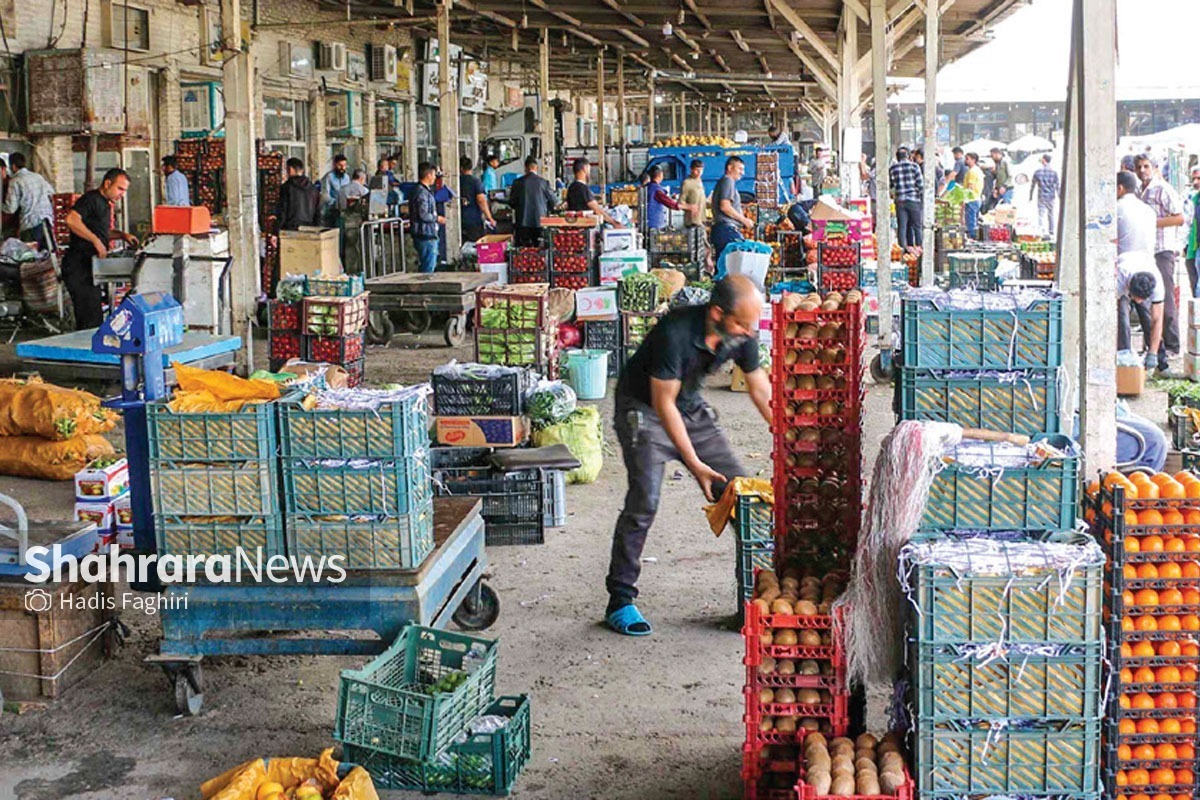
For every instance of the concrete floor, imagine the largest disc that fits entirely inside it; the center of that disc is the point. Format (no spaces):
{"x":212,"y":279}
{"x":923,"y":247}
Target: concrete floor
{"x":613,"y":717}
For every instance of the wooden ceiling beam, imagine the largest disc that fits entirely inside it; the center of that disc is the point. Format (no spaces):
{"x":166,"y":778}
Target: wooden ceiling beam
{"x":698,"y":14}
{"x":805,"y":30}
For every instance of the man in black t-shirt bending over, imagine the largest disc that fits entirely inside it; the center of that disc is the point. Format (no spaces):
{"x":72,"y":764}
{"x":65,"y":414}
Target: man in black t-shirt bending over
{"x":90,"y":224}
{"x":579,"y":194}
{"x":661,"y":416}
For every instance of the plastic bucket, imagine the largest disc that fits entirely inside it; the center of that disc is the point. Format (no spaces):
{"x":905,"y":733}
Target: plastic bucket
{"x":587,"y":373}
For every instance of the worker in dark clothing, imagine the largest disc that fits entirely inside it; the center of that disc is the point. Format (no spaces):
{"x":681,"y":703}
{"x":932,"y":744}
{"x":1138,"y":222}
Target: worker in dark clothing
{"x":661,"y":416}
{"x":531,"y":199}
{"x":90,"y":224}
{"x":423,"y":218}
{"x":476,"y":213}
{"x":299,"y":205}
{"x":579,"y":194}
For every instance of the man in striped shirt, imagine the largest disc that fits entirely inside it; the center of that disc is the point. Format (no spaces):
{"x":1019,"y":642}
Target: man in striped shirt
{"x":1046,"y":182}
{"x":908,"y":186}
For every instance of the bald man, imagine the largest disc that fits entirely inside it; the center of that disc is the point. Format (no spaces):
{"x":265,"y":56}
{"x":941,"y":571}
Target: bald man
{"x":661,"y":416}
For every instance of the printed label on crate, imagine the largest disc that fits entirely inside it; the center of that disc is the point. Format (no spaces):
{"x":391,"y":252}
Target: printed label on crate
{"x":100,"y":514}
{"x":103,"y":479}
{"x":123,"y":509}
{"x":481,"y":431}
{"x":596,"y":304}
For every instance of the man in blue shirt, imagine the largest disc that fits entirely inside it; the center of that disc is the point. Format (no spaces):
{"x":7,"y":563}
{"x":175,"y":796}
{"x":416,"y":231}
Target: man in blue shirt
{"x":331,"y":188}
{"x":491,"y":179}
{"x":424,"y":221}
{"x":1046,"y":181}
{"x":907,"y":185}
{"x":177,"y":192}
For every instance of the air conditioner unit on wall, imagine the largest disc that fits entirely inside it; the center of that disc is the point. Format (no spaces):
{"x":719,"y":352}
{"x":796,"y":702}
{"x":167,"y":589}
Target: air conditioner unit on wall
{"x":333,"y":56}
{"x":384,"y":63}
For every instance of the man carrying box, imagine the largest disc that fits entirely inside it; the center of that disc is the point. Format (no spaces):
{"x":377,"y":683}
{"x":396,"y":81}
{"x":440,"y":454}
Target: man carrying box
{"x":661,"y":416}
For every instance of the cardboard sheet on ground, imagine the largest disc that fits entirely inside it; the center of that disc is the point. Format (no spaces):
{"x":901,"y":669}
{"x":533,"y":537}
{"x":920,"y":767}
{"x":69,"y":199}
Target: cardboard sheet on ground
{"x":242,"y":782}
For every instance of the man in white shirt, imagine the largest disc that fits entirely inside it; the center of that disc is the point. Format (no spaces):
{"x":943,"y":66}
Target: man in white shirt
{"x":1139,"y":284}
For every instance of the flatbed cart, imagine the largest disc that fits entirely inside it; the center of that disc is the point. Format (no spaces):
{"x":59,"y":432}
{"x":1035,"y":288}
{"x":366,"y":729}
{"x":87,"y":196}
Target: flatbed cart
{"x":279,"y":619}
{"x":415,"y":297}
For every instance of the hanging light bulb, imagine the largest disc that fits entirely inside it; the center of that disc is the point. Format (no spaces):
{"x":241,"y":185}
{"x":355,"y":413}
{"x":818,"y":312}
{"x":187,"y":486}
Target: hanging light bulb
{"x":524,"y":20}
{"x":920,"y":41}
{"x":667,"y":29}
{"x":682,"y":16}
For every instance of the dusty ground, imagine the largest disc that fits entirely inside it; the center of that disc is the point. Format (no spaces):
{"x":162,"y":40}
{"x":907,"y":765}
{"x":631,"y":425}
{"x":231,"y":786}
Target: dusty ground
{"x":613,"y":717}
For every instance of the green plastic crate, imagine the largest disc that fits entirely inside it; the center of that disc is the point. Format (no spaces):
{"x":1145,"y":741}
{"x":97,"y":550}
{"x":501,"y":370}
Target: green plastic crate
{"x":213,"y":490}
{"x":955,"y":683}
{"x":1042,"y":497}
{"x":384,"y":708}
{"x":484,"y":764}
{"x":179,"y":536}
{"x":1024,"y":402}
{"x":953,"y":609}
{"x":972,"y":270}
{"x":402,"y":541}
{"x":396,"y":430}
{"x":244,"y":435}
{"x":395,"y":486}
{"x":982,"y":761}
{"x":755,"y":546}
{"x":1004,"y":339}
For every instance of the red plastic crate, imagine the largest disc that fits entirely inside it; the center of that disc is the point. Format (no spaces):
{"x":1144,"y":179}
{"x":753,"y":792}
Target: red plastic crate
{"x":526,"y":260}
{"x":336,"y":316}
{"x":335,"y":349}
{"x":284,"y":316}
{"x":835,"y":714}
{"x":356,"y":373}
{"x":905,"y":792}
{"x":284,"y":345}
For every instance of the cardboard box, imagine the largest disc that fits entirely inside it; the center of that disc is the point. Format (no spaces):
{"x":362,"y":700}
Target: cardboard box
{"x":586,"y":219}
{"x":310,"y":251}
{"x":336,"y":377}
{"x":101,"y":513}
{"x":123,"y":511}
{"x":481,"y":431}
{"x":738,"y":382}
{"x":613,"y":239}
{"x":500,"y":270}
{"x":493,"y":248}
{"x":1130,"y":381}
{"x":595,"y":304}
{"x":614,"y":266}
{"x":93,"y":484}
{"x":182,"y":220}
{"x":123,"y":537}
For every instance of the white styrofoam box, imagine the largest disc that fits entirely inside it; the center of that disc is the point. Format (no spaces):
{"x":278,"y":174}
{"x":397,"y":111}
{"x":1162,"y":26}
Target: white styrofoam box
{"x":614,"y":266}
{"x":499,"y":270}
{"x":596,"y":304}
{"x":753,"y":265}
{"x":614,"y":239}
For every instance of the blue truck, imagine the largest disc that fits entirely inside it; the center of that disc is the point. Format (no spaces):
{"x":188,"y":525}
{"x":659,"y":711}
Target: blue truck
{"x":676,"y":163}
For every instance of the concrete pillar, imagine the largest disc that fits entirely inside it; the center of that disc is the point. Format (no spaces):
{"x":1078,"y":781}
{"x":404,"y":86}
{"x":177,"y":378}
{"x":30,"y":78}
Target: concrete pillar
{"x":170,"y":108}
{"x":318,"y":142}
{"x":369,"y":144}
{"x":448,"y":116}
{"x":54,"y":159}
{"x":602,"y":174}
{"x":847,"y":102}
{"x":547,"y":113}
{"x":651,"y":109}
{"x":409,"y":168}
{"x":622,"y":119}
{"x":241,"y":180}
{"x":932,"y":47}
{"x":880,"y":51}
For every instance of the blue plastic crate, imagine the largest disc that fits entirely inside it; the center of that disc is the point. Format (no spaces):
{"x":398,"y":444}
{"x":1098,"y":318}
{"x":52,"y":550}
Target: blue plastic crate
{"x":361,"y":487}
{"x":395,"y":431}
{"x":182,"y":536}
{"x":384,"y":706}
{"x":1043,"y":497}
{"x":201,"y":437}
{"x":1025,"y":401}
{"x":755,"y":523}
{"x":1003,"y":338}
{"x":398,"y":542}
{"x":486,"y":763}
{"x":215,"y":489}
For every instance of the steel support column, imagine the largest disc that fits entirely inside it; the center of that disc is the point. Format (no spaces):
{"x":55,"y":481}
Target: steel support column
{"x":933,"y":42}
{"x":448,"y":123}
{"x":883,"y":145}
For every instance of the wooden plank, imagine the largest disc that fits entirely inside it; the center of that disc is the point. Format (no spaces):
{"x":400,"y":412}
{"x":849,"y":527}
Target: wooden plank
{"x":806,"y":30}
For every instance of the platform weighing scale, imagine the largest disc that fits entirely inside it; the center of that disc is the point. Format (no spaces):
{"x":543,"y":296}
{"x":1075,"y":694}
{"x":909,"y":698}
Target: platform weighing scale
{"x":192,"y":269}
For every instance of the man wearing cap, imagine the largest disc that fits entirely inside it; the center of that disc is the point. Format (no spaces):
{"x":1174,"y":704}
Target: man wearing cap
{"x":1168,"y":209}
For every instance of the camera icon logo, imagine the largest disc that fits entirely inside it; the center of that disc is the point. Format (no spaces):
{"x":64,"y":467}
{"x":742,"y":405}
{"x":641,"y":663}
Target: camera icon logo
{"x":38,"y":601}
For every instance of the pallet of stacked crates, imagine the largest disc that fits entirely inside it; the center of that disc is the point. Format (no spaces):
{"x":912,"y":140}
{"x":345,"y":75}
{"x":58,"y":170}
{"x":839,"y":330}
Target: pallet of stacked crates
{"x":572,"y":257}
{"x":1005,"y":657}
{"x":1149,"y":526}
{"x":424,"y":717}
{"x":214,"y":479}
{"x":284,"y":339}
{"x":335,"y":323}
{"x":514,"y":327}
{"x":839,"y":262}
{"x":356,"y":479}
{"x":816,"y":366}
{"x":795,"y":675}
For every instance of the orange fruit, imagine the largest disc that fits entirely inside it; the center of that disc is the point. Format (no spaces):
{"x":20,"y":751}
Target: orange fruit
{"x":1139,"y":777}
{"x":1126,"y":726}
{"x":1122,"y":778}
{"x":1112,"y":478}
{"x":1192,"y":543}
{"x":1184,"y":776}
{"x":1171,"y":597}
{"x":1146,"y":622}
{"x":1145,"y":490}
{"x":1193,"y":489}
{"x":1185,"y":752}
{"x":1149,"y":517}
{"x":1126,"y":650}
{"x":1127,"y":597}
{"x":1144,"y":649}
{"x":1190,"y":622}
{"x":1192,"y":515}
{"x":1147,"y":726}
{"x":1187,"y":725}
{"x":1093,"y":489}
{"x":1191,"y":597}
{"x":1190,"y":649}
{"x":1142,"y":702}
{"x":1124,"y":753}
{"x":1133,"y":544}
{"x":1143,"y":675}
{"x":1187,"y":674}
{"x":1183,"y":476}
{"x":1129,"y":571}
{"x":1159,"y":478}
{"x":1123,"y":701}
{"x":1166,"y":752}
{"x":1143,"y":752}
{"x":1127,"y":624}
{"x":1127,"y":675}
{"x":1186,"y":700}
{"x":1172,"y":517}
{"x":1146,"y":597}
{"x":1168,"y":622}
{"x":1190,"y":570}
{"x":1167,"y":675}
{"x":1168,"y":570}
{"x":1173,"y":544}
{"x":1131,"y":517}
{"x":1163,"y":777}
{"x":1169,"y":649}
{"x":1148,"y":571}
{"x":1152,"y":543}
{"x":1166,"y":700}
{"x":1170,"y":726}
{"x":1171,"y":489}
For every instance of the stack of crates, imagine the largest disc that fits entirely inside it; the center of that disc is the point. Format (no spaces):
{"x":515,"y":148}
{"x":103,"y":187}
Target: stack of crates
{"x":214,"y":480}
{"x":518,"y":507}
{"x":573,"y":255}
{"x":605,"y":335}
{"x":640,"y":306}
{"x":973,"y":269}
{"x":994,"y":365}
{"x":284,"y":338}
{"x":1153,"y":623}
{"x":513,"y":326}
{"x":270,"y":181}
{"x":356,"y":483}
{"x":528,"y":265}
{"x":792,"y":256}
{"x":839,"y":261}
{"x":408,"y":717}
{"x":678,"y":248}
{"x":755,"y":547}
{"x":334,"y":316}
{"x":1005,"y":657}
{"x":816,"y":364}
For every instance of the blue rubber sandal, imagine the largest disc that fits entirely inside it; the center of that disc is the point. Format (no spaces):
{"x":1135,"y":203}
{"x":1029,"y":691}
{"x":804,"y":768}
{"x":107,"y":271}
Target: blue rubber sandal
{"x":628,"y":621}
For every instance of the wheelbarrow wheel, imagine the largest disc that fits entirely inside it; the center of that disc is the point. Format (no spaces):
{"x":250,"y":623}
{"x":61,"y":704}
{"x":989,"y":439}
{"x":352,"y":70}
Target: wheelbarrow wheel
{"x":880,"y":373}
{"x":380,"y":328}
{"x":456,"y":330}
{"x":479,"y":610}
{"x":417,"y":321}
{"x":189,"y":690}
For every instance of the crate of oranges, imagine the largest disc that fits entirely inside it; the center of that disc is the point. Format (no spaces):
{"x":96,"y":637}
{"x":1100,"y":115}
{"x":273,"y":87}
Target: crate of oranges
{"x":1149,"y":525}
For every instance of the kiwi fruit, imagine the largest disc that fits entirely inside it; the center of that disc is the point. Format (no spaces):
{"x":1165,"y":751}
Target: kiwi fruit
{"x":785,"y":637}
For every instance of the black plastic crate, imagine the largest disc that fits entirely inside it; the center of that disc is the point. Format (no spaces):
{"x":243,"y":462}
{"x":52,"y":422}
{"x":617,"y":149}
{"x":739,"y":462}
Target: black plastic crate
{"x":513,"y":506}
{"x":452,"y":464}
{"x":499,"y":396}
{"x":605,"y":335}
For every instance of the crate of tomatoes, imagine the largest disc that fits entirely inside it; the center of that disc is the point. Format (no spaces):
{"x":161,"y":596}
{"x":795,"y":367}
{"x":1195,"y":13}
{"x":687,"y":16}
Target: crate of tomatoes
{"x":335,"y":349}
